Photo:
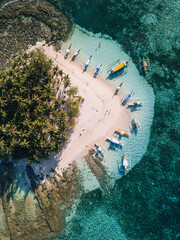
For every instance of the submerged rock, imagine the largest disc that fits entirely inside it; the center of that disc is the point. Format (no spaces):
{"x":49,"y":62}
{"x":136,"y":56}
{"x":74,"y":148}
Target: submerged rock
{"x":142,"y":201}
{"x":41,"y":210}
{"x":23,"y":23}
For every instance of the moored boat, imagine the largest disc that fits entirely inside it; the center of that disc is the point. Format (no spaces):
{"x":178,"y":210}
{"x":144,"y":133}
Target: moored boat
{"x":122,"y":166}
{"x":135,"y":104}
{"x":67,"y":51}
{"x":118,"y":88}
{"x":144,"y":65}
{"x":124,"y":101}
{"x":99,"y":150}
{"x":75,"y":55}
{"x":122,"y":133}
{"x":114,"y":141}
{"x":97,"y":70}
{"x":87,"y":63}
{"x":117,"y":68}
{"x":134,"y":125}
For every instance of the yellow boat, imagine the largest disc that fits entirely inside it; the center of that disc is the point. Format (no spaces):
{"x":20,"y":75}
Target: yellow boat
{"x":119,"y":67}
{"x":122,"y":133}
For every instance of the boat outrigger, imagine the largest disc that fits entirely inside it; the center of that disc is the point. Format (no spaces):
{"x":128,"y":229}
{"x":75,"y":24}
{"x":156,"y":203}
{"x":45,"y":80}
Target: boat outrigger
{"x":134,"y":125}
{"x":144,"y":65}
{"x":114,"y":141}
{"x":122,"y":133}
{"x":75,"y":55}
{"x":123,"y":165}
{"x":135,"y":104}
{"x":99,"y":150}
{"x":87,"y":63}
{"x":97,"y":70}
{"x":124,"y":101}
{"x":118,"y":88}
{"x":117,"y":68}
{"x":67,"y":51}
{"x":113,"y":62}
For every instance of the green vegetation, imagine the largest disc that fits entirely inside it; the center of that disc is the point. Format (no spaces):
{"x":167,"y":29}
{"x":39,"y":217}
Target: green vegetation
{"x":38,"y":107}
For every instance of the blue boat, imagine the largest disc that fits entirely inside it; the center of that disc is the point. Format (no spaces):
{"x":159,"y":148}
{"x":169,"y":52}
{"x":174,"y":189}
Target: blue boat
{"x":87,"y":63}
{"x":124,"y":101}
{"x":134,"y":125}
{"x":97,"y":70}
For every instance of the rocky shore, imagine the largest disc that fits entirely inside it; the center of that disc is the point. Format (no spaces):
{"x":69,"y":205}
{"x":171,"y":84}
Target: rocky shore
{"x":23,"y":23}
{"x":30,"y":210}
{"x":145,"y":203}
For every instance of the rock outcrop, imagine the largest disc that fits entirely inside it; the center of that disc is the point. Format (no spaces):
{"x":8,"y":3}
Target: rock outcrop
{"x":31,"y":210}
{"x":23,"y":23}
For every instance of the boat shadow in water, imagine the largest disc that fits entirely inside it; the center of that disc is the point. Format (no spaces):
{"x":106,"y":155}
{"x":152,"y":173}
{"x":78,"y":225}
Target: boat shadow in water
{"x":134,"y":109}
{"x":133,"y":131}
{"x":114,"y":147}
{"x":117,"y":74}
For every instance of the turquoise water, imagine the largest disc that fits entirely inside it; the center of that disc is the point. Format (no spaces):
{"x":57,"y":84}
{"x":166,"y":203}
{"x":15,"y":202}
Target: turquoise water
{"x":147,"y":199}
{"x":98,"y":226}
{"x":94,"y":218}
{"x":105,"y":51}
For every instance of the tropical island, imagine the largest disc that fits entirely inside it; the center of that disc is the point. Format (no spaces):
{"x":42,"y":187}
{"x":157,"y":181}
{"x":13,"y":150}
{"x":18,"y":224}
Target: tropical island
{"x":45,"y":200}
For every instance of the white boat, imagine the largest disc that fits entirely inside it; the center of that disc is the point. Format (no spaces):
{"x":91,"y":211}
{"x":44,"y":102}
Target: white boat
{"x":98,"y":148}
{"x":135,"y":104}
{"x":122,"y":133}
{"x":114,"y":141}
{"x":124,"y":162}
{"x":122,"y":166}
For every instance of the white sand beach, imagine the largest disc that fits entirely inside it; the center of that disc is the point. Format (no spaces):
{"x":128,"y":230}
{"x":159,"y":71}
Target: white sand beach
{"x":100,"y":114}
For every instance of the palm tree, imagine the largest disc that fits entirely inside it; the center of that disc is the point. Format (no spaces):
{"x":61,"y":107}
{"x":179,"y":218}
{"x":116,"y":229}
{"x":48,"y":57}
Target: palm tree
{"x":72,"y":92}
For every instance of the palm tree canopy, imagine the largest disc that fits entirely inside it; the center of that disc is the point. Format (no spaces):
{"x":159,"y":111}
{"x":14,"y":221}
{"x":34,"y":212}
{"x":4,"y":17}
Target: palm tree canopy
{"x":33,"y":121}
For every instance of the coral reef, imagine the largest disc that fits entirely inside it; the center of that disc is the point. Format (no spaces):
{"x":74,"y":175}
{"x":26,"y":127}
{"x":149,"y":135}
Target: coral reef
{"x":145,"y":203}
{"x":23,"y":23}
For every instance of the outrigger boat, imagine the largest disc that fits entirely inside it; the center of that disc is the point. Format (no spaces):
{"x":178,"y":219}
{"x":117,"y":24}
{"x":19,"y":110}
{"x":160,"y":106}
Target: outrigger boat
{"x":117,"y":68}
{"x":97,"y":70}
{"x":144,"y":65}
{"x":67,"y":51}
{"x":124,"y":101}
{"x":87,"y":63}
{"x":135,"y":104}
{"x":134,"y":125}
{"x":118,"y":88}
{"x":99,"y":150}
{"x":123,"y":166}
{"x":75,"y":55}
{"x":122,"y":133}
{"x":114,"y":141}
{"x":111,"y":64}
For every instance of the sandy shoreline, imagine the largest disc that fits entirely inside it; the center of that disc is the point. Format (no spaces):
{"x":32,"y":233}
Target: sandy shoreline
{"x":100,"y":114}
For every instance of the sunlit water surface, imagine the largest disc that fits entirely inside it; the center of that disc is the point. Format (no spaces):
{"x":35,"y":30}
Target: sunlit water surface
{"x":96,"y":222}
{"x":105,"y":51}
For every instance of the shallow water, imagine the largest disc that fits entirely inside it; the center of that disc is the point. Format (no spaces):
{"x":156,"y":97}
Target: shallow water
{"x":94,"y":218}
{"x":105,"y":50}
